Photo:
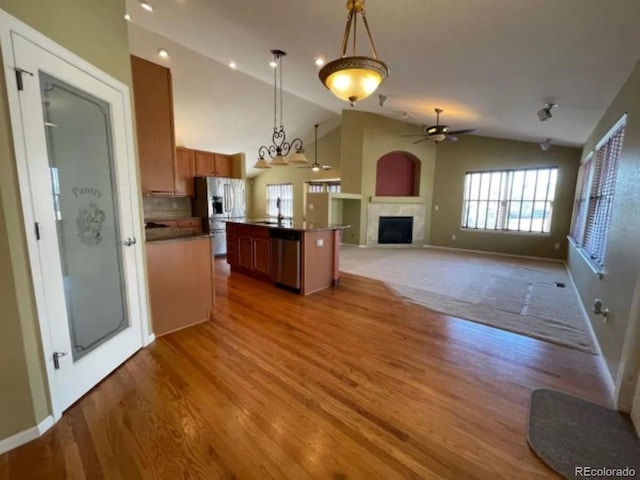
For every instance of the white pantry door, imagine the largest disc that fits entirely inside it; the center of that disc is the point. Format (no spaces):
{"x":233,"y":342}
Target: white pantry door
{"x":75,"y":140}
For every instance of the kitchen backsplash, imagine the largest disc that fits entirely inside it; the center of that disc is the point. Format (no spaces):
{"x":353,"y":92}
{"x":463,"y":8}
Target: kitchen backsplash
{"x":166,"y":207}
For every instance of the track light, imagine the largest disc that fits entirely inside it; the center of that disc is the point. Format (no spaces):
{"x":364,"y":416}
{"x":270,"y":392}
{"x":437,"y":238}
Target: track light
{"x":544,"y":113}
{"x":544,"y":146}
{"x":382,"y":99}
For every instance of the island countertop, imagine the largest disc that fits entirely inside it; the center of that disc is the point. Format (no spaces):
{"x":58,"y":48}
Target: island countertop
{"x":290,"y":225}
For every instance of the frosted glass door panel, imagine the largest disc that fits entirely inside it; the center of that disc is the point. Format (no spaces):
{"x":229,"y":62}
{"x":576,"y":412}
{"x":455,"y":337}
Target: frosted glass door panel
{"x":80,"y":147}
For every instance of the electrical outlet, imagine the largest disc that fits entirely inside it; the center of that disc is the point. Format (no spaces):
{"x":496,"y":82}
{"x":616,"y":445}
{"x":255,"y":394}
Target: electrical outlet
{"x":453,"y":237}
{"x":436,"y":208}
{"x":556,"y":246}
{"x":311,"y":206}
{"x":320,"y":242}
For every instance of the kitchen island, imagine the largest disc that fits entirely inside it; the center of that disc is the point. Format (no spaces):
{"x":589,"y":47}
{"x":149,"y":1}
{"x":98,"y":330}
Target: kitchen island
{"x":300,"y":256}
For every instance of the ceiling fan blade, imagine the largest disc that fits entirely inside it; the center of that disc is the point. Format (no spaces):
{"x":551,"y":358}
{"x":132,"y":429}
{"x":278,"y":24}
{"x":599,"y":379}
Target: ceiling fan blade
{"x":451,"y":138}
{"x":411,"y":135}
{"x":423,"y":140}
{"x":327,"y":167}
{"x":462,"y":132}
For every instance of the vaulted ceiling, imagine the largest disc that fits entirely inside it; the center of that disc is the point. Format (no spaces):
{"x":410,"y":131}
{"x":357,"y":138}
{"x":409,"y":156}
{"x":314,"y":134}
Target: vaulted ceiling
{"x":489,"y":64}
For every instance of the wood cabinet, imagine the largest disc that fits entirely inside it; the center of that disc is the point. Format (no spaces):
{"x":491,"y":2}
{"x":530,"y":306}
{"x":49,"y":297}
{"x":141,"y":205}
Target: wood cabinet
{"x":181,"y":288}
{"x":209,"y":164}
{"x":185,"y":171}
{"x":153,"y":100}
{"x":262,"y":255}
{"x":222,"y":165}
{"x":249,"y":249}
{"x":205,"y":163}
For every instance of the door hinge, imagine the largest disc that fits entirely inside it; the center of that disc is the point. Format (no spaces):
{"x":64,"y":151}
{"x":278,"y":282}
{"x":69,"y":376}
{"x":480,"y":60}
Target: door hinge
{"x":37,"y":228}
{"x":19,"y":72}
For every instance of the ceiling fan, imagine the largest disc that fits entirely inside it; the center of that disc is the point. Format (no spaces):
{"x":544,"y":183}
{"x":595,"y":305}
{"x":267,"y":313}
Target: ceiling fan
{"x":315,"y":166}
{"x":439,"y":133}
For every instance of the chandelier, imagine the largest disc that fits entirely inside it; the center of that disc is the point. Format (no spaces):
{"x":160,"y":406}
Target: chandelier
{"x":280,"y":147}
{"x":353,"y":78}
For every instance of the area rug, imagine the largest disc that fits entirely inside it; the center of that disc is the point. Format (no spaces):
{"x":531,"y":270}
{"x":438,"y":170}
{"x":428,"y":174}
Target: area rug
{"x":579,"y":439}
{"x":529,"y":297}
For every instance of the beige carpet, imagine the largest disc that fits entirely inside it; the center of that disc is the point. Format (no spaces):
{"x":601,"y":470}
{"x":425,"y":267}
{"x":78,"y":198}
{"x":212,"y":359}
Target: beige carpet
{"x":512,"y":294}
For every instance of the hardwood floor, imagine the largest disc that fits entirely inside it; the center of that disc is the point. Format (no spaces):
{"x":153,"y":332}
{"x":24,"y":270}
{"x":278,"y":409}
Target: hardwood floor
{"x":347,"y":383}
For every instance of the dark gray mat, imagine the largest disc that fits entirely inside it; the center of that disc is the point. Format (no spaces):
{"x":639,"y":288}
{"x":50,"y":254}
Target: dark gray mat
{"x":567,"y":433}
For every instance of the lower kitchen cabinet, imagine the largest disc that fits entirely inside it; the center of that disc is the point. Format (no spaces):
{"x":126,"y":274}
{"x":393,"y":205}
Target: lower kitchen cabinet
{"x":249,"y":249}
{"x":181,"y":288}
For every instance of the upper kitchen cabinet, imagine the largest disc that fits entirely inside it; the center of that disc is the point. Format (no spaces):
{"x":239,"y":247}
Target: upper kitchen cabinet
{"x":205,"y":164}
{"x":185,"y":171}
{"x":222,"y":165}
{"x":209,"y":164}
{"x":153,"y":101}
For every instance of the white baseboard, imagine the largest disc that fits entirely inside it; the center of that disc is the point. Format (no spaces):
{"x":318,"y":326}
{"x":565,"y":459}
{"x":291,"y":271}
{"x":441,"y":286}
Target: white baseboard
{"x":483,"y":252}
{"x":26,"y":435}
{"x":602,"y":364}
{"x":150,"y":339}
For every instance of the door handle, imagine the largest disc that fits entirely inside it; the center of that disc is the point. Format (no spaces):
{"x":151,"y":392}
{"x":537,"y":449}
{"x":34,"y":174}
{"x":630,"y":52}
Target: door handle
{"x":56,"y":359}
{"x":129,"y":241}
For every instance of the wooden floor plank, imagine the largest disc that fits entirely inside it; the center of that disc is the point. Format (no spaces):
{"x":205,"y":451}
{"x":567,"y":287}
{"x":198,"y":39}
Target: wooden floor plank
{"x":351,"y":382}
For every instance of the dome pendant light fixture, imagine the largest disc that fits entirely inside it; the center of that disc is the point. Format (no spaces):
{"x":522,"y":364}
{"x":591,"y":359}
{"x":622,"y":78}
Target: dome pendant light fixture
{"x":279,"y":148}
{"x":354,"y":77}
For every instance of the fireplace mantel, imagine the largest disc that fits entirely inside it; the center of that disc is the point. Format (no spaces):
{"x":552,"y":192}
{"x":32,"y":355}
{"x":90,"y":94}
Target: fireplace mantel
{"x":418,"y":200}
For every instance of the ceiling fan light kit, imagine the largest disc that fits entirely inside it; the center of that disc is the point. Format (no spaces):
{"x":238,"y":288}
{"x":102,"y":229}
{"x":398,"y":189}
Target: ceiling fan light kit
{"x":279,"y":147}
{"x":315,"y":166}
{"x":353,"y":78}
{"x":439,"y":133}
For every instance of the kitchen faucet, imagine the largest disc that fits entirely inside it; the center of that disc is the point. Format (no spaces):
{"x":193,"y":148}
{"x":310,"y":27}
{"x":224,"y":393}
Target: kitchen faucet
{"x":278,"y":206}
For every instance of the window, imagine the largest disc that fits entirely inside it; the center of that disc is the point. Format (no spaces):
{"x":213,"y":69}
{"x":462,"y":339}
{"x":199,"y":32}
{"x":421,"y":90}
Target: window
{"x":594,"y":196}
{"x":316,"y":188}
{"x":284,"y":191}
{"x":510,"y":200}
{"x":333,"y":187}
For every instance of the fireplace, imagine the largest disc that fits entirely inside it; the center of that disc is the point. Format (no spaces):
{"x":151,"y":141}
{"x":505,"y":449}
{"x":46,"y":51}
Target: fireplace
{"x":395,"y":230}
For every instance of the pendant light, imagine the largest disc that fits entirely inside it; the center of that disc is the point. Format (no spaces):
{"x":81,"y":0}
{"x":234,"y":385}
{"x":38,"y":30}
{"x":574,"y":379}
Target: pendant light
{"x":354,"y":77}
{"x":279,"y":147}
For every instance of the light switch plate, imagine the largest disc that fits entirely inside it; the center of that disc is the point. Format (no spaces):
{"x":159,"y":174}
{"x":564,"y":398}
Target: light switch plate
{"x":319,"y":242}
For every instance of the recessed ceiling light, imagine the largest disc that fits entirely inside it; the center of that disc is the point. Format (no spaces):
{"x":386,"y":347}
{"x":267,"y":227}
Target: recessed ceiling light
{"x":319,"y":61}
{"x":147,"y":6}
{"x":232,"y":65}
{"x":273,"y":64}
{"x":163,"y":53}
{"x":127,"y":17}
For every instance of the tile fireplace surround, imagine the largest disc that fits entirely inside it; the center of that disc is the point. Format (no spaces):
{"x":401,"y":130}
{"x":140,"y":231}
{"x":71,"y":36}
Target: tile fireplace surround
{"x":377,"y":210}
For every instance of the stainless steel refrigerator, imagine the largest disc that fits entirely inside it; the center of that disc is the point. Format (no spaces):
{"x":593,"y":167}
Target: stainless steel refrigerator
{"x":219,"y":199}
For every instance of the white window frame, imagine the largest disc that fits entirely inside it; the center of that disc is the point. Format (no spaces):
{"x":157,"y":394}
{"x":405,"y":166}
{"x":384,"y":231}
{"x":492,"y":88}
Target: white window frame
{"x":286,"y":203}
{"x":596,"y":265}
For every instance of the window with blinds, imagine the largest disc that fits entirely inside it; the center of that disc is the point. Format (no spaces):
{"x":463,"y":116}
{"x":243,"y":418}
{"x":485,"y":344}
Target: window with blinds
{"x":510,"y":200}
{"x":595,"y":193}
{"x":320,"y":187}
{"x":284,"y":191}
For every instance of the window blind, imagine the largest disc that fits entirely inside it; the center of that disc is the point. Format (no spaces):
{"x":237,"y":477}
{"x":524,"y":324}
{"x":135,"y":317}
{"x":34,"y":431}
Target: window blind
{"x":581,"y":202}
{"x":284,"y":191}
{"x":603,"y":184}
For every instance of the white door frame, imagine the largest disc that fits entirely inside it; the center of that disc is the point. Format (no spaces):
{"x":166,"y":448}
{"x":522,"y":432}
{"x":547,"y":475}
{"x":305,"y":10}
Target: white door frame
{"x":9,"y":25}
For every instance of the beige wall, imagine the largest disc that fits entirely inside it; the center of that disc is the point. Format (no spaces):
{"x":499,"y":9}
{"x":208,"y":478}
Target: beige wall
{"x":328,"y":154}
{"x":96,"y":31}
{"x":635,"y":410}
{"x":473,"y":153}
{"x":616,"y":288}
{"x":365,"y":138}
{"x":317,"y":208}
